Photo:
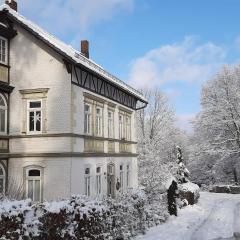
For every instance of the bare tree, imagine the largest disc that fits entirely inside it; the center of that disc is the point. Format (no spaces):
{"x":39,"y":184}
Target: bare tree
{"x":157,"y":138}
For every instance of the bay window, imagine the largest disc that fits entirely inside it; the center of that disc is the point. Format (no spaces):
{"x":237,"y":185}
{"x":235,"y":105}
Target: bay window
{"x":3,"y":50}
{"x":34,"y":116}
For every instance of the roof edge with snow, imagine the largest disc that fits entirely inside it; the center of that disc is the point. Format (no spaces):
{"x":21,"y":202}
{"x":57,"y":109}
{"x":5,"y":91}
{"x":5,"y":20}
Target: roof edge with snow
{"x":69,"y":52}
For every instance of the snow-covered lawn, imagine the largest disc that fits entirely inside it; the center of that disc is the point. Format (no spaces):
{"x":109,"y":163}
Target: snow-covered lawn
{"x":216,"y":216}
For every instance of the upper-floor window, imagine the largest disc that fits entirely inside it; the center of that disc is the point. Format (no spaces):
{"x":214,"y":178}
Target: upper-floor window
{"x":128,"y":128}
{"x":87,"y":119}
{"x":99,"y":121}
{"x":3,"y":50}
{"x":34,"y":184}
{"x":3,"y":115}
{"x":121,"y":127}
{"x":124,"y":126}
{"x":110,"y":124}
{"x":34,"y":116}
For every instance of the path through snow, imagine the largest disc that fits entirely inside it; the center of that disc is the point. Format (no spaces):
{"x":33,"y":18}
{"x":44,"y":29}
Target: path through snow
{"x":215,"y":217}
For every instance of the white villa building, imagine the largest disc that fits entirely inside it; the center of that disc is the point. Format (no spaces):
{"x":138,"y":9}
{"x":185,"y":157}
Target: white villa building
{"x":67,"y":126}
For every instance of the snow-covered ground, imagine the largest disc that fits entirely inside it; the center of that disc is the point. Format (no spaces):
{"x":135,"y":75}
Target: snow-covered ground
{"x":216,"y":216}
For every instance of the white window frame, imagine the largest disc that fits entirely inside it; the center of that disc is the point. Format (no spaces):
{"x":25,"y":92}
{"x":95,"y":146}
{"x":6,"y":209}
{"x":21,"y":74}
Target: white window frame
{"x":99,"y":121}
{"x":121,"y":126}
{"x":34,"y":179}
{"x":88,"y":119}
{"x":5,"y":109}
{"x":99,"y":181}
{"x":34,"y":110}
{"x":3,"y":177}
{"x":110,"y":124}
{"x":6,"y":51}
{"x":128,"y":127}
{"x":87,"y":181}
{"x":121,"y":177}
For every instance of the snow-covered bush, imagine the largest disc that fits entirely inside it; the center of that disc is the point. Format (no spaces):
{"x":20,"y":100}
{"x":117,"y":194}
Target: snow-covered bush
{"x":189,"y":191}
{"x":81,"y":218}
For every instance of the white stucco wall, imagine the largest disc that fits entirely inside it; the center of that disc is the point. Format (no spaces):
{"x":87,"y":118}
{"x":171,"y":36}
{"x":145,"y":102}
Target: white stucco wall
{"x":33,"y":65}
{"x":63,"y":177}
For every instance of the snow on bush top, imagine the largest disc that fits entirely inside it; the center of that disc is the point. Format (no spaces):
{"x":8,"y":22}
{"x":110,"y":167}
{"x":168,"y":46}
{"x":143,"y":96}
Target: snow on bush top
{"x":190,"y":187}
{"x":13,"y":208}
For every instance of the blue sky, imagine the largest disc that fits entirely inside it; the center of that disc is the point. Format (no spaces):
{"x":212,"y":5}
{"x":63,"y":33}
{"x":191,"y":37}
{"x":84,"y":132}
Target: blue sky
{"x":173,"y":45}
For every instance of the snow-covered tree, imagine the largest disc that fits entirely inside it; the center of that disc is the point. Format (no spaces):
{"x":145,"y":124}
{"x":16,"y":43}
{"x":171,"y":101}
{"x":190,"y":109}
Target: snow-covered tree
{"x":182,"y":171}
{"x":216,"y":144}
{"x":157,"y":138}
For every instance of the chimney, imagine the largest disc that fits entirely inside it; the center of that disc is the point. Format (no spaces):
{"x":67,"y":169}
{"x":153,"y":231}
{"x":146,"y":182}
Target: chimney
{"x":12,"y":4}
{"x":85,"y":48}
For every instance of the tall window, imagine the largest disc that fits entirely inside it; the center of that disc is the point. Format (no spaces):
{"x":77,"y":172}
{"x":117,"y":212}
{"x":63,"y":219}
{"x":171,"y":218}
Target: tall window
{"x":121,"y":127}
{"x":87,"y":119}
{"x":3,"y":115}
{"x":110,"y":124}
{"x":34,"y":116}
{"x":87,"y":182}
{"x":121,"y":177}
{"x":128,"y":128}
{"x":99,"y":180}
{"x":99,"y":121}
{"x":128,"y":176}
{"x":3,"y":50}
{"x":34,"y":189}
{"x":2,"y":180}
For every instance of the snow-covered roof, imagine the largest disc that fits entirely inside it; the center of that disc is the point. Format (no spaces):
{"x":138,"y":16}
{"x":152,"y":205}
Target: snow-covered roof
{"x":70,"y":52}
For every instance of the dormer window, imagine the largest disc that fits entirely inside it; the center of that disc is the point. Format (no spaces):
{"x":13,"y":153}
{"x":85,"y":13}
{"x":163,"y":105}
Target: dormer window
{"x":3,"y":50}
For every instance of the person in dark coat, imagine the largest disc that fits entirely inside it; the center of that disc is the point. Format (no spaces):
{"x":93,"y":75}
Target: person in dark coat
{"x":172,"y":194}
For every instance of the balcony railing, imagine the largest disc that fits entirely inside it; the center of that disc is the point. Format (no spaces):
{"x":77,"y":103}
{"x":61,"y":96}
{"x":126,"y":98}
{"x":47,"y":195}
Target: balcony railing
{"x":125,"y":148}
{"x":3,"y":74}
{"x":91,"y":145}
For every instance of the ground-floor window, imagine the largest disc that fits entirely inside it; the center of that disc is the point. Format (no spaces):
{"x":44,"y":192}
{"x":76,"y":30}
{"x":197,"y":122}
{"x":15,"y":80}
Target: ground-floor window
{"x":2,"y":180}
{"x":121,"y":177}
{"x":99,"y":180}
{"x":87,"y":182}
{"x":128,"y":176}
{"x":34,"y":184}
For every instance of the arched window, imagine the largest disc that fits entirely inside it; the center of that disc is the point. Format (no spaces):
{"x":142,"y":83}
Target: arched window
{"x":2,"y":180}
{"x":3,"y":114}
{"x":34,"y":184}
